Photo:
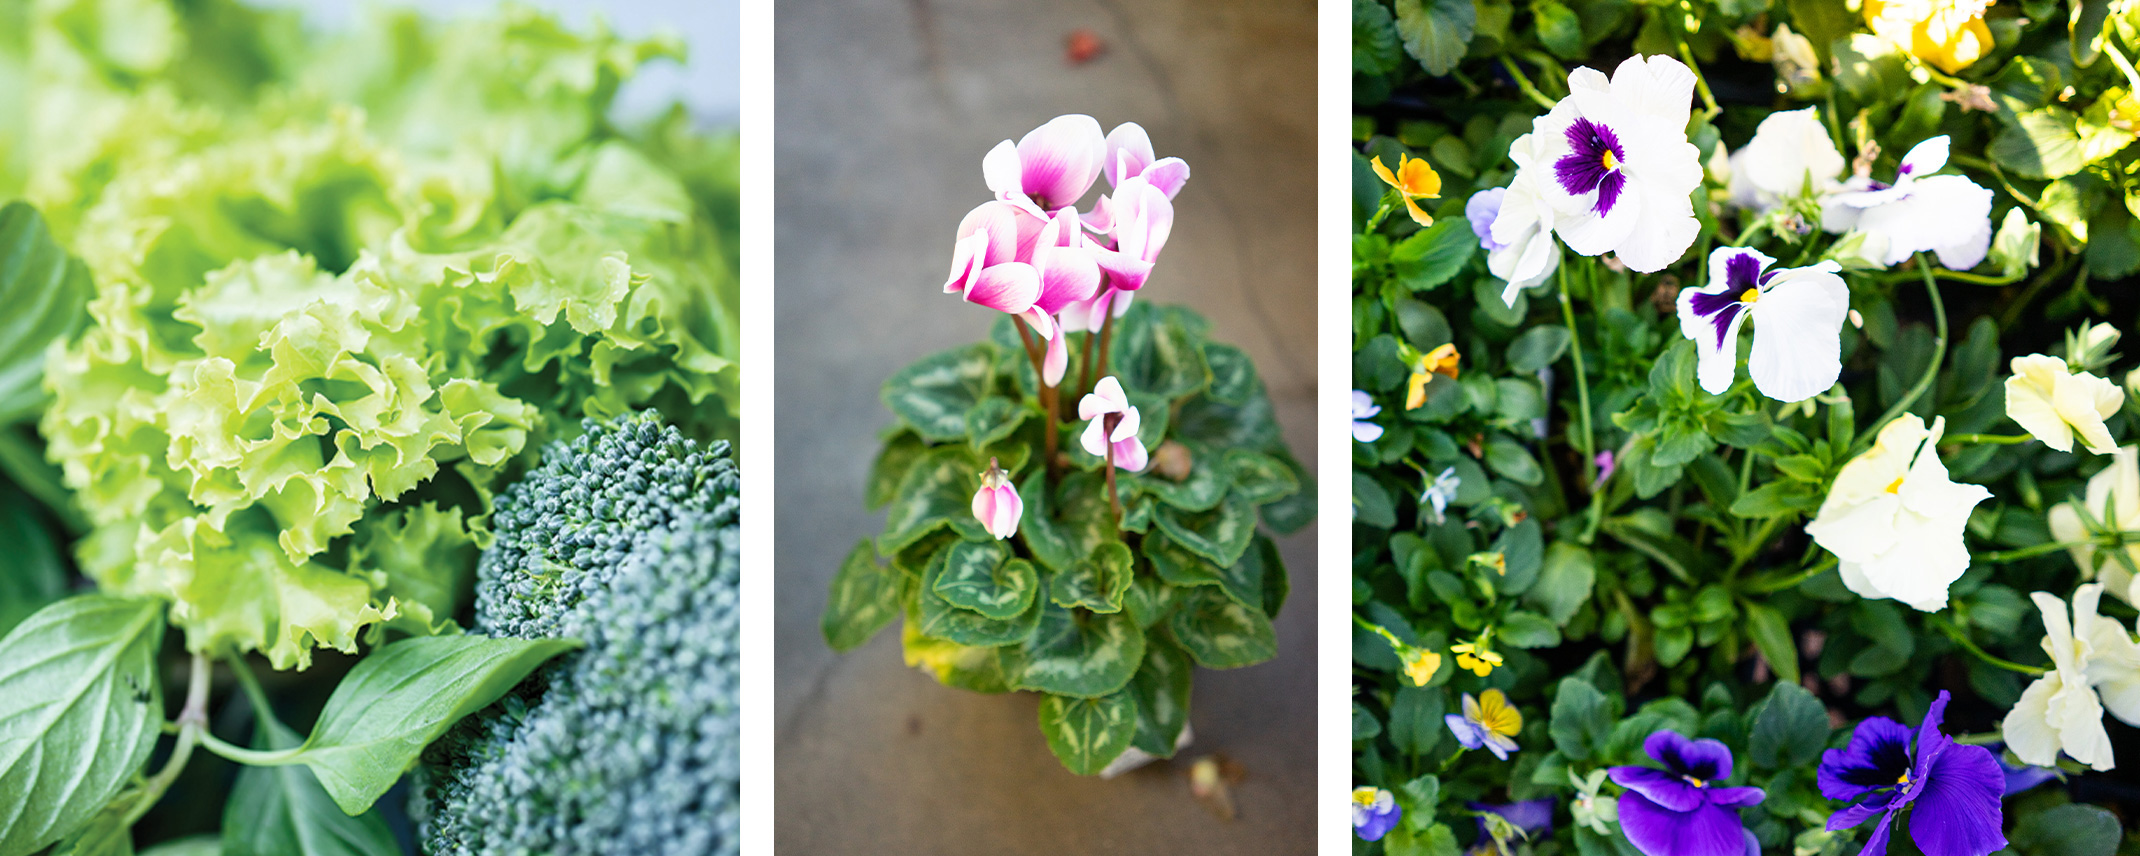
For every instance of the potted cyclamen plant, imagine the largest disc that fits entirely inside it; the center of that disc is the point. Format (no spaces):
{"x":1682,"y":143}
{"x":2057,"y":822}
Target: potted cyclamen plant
{"x":1073,"y":501}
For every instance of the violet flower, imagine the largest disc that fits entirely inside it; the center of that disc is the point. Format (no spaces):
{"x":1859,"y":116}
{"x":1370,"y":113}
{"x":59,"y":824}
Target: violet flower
{"x":1955,"y":788}
{"x":1679,"y":810}
{"x":1374,"y":813}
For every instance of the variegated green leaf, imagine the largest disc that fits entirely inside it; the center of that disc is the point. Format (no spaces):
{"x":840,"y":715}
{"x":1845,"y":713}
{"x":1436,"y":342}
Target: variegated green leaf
{"x":982,"y":576}
{"x":1291,"y":514}
{"x":1243,"y":580}
{"x":1259,"y":478}
{"x":967,"y":667}
{"x":1220,"y":534}
{"x":1276,"y":584}
{"x":1047,"y":538}
{"x":1176,"y":565}
{"x":1233,"y":374}
{"x":1159,"y":351}
{"x":900,"y":452}
{"x":1087,"y":734}
{"x":964,"y":626}
{"x":1248,"y":425}
{"x":1148,"y":600}
{"x":1162,"y":691}
{"x":1205,"y":485}
{"x":993,"y":419}
{"x":935,"y":394}
{"x":1096,"y":582}
{"x":865,"y":597}
{"x":937,"y":489}
{"x":1076,"y":653}
{"x":1220,"y":633}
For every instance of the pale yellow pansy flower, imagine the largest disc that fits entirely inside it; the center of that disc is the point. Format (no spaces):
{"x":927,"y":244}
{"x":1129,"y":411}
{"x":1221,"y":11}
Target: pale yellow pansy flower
{"x":1894,"y":519}
{"x":2061,"y":710}
{"x":2045,"y":397}
{"x":1950,"y":34}
{"x":2112,"y":499}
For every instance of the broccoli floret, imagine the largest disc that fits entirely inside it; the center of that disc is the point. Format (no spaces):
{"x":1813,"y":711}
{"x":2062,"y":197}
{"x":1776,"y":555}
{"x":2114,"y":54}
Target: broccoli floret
{"x":624,"y":538}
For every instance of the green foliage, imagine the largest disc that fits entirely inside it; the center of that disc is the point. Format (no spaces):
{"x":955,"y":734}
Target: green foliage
{"x":277,"y":810}
{"x":1106,"y":618}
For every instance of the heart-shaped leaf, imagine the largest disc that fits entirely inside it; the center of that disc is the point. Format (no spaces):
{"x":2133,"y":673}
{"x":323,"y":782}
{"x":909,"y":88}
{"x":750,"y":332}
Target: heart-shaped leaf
{"x":1087,"y":734}
{"x":937,"y":489}
{"x":934,"y":394}
{"x":1097,"y":583}
{"x":981,"y":576}
{"x":1162,"y":691}
{"x":1220,"y":633}
{"x":865,"y":597}
{"x":1077,"y":653}
{"x":939,"y":618}
{"x":1220,"y":534}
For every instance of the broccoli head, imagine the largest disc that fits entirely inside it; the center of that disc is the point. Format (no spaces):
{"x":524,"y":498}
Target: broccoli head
{"x":624,"y":538}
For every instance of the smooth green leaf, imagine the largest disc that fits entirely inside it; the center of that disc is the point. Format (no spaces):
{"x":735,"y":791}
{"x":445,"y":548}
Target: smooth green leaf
{"x":401,"y":697}
{"x":1221,"y":633}
{"x":31,"y":575}
{"x":1522,"y":629}
{"x":1538,"y":347}
{"x":1564,"y":583}
{"x":1077,"y":653}
{"x":1434,"y":255}
{"x":982,"y":576}
{"x":2073,"y":829}
{"x":46,"y":292}
{"x":1790,"y":730}
{"x":1371,"y":504}
{"x":1220,"y":534}
{"x":1437,"y":33}
{"x":1416,"y":725}
{"x":865,"y":598}
{"x":1582,"y":719}
{"x":275,"y":811}
{"x":935,"y":393}
{"x":80,"y":709}
{"x":196,"y":845}
{"x":1512,"y":461}
{"x":1772,"y":636}
{"x":1087,"y":734}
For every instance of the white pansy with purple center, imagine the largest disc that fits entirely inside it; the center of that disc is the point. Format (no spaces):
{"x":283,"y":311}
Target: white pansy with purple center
{"x":1798,"y":314}
{"x":1948,"y":215}
{"x":1618,"y":170}
{"x":1519,"y":241}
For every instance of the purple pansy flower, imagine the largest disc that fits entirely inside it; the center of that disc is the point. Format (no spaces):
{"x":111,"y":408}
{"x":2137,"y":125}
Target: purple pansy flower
{"x":1680,"y":810}
{"x":1374,"y":813}
{"x":1481,"y":209}
{"x":1955,"y":788}
{"x":1534,"y":818}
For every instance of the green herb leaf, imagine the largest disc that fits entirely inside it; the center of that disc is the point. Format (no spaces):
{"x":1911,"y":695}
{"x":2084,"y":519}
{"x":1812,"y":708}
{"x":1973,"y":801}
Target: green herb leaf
{"x":46,"y":292}
{"x":80,"y":709}
{"x":403,"y":696}
{"x":275,"y":811}
{"x":1789,"y":730}
{"x":1437,"y":32}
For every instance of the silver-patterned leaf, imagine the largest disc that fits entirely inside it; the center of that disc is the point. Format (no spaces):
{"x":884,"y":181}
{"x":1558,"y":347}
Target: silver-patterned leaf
{"x":1076,"y":653}
{"x":944,"y":621}
{"x":936,"y":490}
{"x":934,"y":394}
{"x":982,"y":576}
{"x":1162,"y":691}
{"x":1087,"y":734}
{"x":1096,"y":583}
{"x":1220,"y":534}
{"x":865,"y":597}
{"x":1220,"y":633}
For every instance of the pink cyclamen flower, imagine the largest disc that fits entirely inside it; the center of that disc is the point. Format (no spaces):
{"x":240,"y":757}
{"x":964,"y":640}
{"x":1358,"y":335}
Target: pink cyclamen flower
{"x":996,"y":504}
{"x":1142,"y":218}
{"x":1129,"y":155}
{"x":1012,"y":288}
{"x":992,"y":233}
{"x":1067,"y":261}
{"x":1088,"y":316}
{"x":1113,"y":421}
{"x":1050,"y":168}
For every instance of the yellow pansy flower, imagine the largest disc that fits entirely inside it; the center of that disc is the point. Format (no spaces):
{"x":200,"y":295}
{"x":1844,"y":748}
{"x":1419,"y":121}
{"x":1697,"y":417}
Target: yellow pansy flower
{"x":1476,"y":657}
{"x":1440,"y":361}
{"x":1414,"y":180}
{"x":1947,"y":33}
{"x":1420,"y":665}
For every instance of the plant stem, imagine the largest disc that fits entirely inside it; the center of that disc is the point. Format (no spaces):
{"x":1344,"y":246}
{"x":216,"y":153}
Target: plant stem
{"x":1701,"y":84}
{"x":1962,"y":276}
{"x":249,"y":757}
{"x":1451,"y":760}
{"x":1375,"y":222}
{"x":1962,"y":639}
{"x":1939,"y":354}
{"x":1524,"y":83}
{"x":1084,"y":382}
{"x":1775,"y":585}
{"x":1988,"y":439}
{"x":192,"y":726}
{"x":1048,"y":396}
{"x":1114,"y":500}
{"x":2033,"y":551}
{"x":1582,"y":379}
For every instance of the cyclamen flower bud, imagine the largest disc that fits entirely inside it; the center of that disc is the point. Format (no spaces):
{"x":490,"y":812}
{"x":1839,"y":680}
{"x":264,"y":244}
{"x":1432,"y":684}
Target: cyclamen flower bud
{"x":996,"y":504}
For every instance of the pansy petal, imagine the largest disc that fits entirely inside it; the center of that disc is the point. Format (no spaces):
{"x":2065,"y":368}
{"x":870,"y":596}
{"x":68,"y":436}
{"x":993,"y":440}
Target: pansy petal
{"x":1958,"y":811}
{"x":2029,"y":405}
{"x":1877,"y":755}
{"x":1850,"y":816}
{"x":1798,"y":323}
{"x":1659,"y":831}
{"x":1876,"y":844}
{"x":2027,"y":727}
{"x":1668,"y":225}
{"x":1924,"y":158}
{"x":1468,"y":733}
{"x":1666,"y":789}
{"x":1705,"y":759}
{"x":1366,"y":432}
{"x":1736,"y":797}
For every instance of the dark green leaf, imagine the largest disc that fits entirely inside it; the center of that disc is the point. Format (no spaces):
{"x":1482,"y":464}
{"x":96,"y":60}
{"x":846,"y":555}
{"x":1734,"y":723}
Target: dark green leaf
{"x":982,"y":576}
{"x":1538,"y":347}
{"x":1558,"y":29}
{"x":1375,"y":48}
{"x":1233,"y":375}
{"x":1258,"y":478}
{"x":1221,"y":633}
{"x":898,"y":455}
{"x":1790,"y":730}
{"x":935,"y":394}
{"x":939,"y":618}
{"x":1433,"y":255}
{"x":1220,"y":534}
{"x":46,"y":292}
{"x":1158,"y":351}
{"x":937,"y":488}
{"x":1582,"y":719}
{"x":1437,"y":32}
{"x":1161,"y":688}
{"x":1512,"y":461}
{"x":1097,"y":582}
{"x":1371,"y":505}
{"x":1564,"y":583}
{"x":275,"y":811}
{"x":865,"y":597}
{"x":2073,"y":829}
{"x":31,"y":575}
{"x":994,"y":419}
{"x":1077,"y":653}
{"x":1087,"y":734}
{"x":1416,"y":725}
{"x":1522,"y":629}
{"x":1772,"y":636}
{"x":80,"y":709}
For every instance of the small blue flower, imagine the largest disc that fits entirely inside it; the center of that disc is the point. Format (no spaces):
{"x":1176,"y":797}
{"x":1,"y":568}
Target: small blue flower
{"x":1955,"y":788}
{"x":1374,"y":813}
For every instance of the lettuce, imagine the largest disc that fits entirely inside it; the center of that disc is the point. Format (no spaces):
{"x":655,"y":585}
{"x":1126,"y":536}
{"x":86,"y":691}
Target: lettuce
{"x":344,"y":287}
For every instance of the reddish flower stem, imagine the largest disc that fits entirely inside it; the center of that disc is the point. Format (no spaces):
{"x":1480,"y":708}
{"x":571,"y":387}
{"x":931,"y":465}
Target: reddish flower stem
{"x":1050,"y":398}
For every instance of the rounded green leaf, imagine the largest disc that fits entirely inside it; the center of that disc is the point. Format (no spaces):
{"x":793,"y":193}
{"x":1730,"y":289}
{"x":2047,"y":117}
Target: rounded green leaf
{"x":1201,"y":490}
{"x":994,"y":419}
{"x":1220,"y":633}
{"x":1161,"y":688}
{"x":936,"y":490}
{"x":1158,"y":351}
{"x":934,"y":394}
{"x":940,"y":619}
{"x":1077,"y":653}
{"x":1233,"y":374}
{"x":80,"y":709}
{"x":865,"y":597}
{"x":898,"y":455}
{"x":982,"y":576}
{"x":1220,"y":534}
{"x":1087,"y":734}
{"x":1258,"y":478}
{"x":1096,"y":583}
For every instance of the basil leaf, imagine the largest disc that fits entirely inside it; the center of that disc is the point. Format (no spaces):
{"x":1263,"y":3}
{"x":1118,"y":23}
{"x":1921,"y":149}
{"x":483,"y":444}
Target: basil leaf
{"x":80,"y":709}
{"x":278,"y":810}
{"x":46,"y":292}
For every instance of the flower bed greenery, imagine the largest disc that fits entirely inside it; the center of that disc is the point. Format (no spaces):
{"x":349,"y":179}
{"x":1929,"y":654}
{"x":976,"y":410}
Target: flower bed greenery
{"x":1737,"y":460}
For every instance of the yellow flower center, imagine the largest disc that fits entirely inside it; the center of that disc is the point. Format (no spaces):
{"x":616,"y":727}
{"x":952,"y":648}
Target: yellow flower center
{"x":1895,"y":486}
{"x":1611,"y":162}
{"x":1905,"y":778}
{"x":1364,"y":796}
{"x":1695,"y":782}
{"x":1750,"y":295}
